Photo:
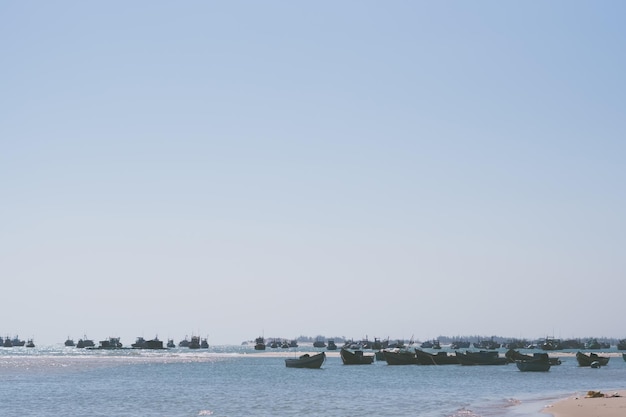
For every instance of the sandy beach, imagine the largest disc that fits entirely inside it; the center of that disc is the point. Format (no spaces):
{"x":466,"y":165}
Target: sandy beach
{"x":591,"y":404}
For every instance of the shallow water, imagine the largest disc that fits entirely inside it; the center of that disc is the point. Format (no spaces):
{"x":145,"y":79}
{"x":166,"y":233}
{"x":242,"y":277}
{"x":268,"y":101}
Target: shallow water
{"x":236,"y":381}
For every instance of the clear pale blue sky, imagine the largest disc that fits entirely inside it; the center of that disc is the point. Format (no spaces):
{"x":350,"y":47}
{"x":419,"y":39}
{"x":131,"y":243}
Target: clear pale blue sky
{"x":290,"y":168}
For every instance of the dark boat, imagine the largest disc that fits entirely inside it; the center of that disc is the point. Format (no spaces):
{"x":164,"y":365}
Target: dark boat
{"x":481,"y":358}
{"x":593,"y":344}
{"x":621,"y":344}
{"x":355,"y":357}
{"x":439,"y":358}
{"x":624,"y":356}
{"x":513,"y":356}
{"x":319,"y":343}
{"x":540,"y":362}
{"x":30,"y":343}
{"x":331,"y":345}
{"x":85,"y":343}
{"x":170,"y":343}
{"x":551,"y":344}
{"x":184,"y":343}
{"x":400,"y":357}
{"x":592,"y":359}
{"x":204,"y":344}
{"x":7,"y":342}
{"x":69,"y":342}
{"x":293,"y":343}
{"x":259,"y":343}
{"x":194,"y":343}
{"x":487,"y":344}
{"x":431,"y":344}
{"x":306,"y":361}
{"x":110,"y":343}
{"x":17,"y":341}
{"x":141,"y":343}
{"x":459,"y":344}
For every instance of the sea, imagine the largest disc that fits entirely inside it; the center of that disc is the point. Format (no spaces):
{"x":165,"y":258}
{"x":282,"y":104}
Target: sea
{"x":230,"y":381}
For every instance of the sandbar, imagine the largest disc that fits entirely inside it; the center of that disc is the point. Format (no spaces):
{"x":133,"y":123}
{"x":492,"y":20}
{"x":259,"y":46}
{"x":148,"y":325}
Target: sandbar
{"x":610,"y":403}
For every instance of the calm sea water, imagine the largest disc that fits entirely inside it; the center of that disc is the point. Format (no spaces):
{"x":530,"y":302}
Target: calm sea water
{"x":234,"y":381}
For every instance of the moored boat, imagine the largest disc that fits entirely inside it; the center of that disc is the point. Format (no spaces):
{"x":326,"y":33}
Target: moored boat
{"x":110,"y":343}
{"x":400,"y":357}
{"x":306,"y":361}
{"x":259,"y":343}
{"x":331,"y":345}
{"x":141,"y":343}
{"x":69,"y":342}
{"x":591,"y":359}
{"x":355,"y":357}
{"x":17,"y":341}
{"x":319,"y":343}
{"x":513,"y":355}
{"x":459,"y":344}
{"x":85,"y":343}
{"x":540,"y":362}
{"x":439,"y":358}
{"x":194,"y":343}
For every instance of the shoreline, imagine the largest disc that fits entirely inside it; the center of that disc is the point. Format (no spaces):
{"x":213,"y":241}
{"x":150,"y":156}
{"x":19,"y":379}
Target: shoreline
{"x":608,"y":403}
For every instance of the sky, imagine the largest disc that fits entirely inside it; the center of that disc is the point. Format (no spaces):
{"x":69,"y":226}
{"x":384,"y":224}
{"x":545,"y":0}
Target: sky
{"x":355,"y":168}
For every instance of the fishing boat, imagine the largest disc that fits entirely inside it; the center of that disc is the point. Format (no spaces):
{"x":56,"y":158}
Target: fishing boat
{"x":540,"y":362}
{"x":319,"y":343}
{"x":17,"y":341}
{"x":69,"y":342}
{"x":431,"y":344}
{"x":110,"y":343}
{"x":259,"y":343}
{"x":194,"y":343}
{"x":355,"y":357}
{"x":591,"y":359}
{"x":439,"y":358}
{"x":306,"y":361}
{"x":513,"y":355}
{"x":487,"y":344}
{"x":30,"y":343}
{"x":400,"y":357}
{"x":141,"y":343}
{"x":331,"y":345}
{"x":85,"y":343}
{"x":459,"y":344}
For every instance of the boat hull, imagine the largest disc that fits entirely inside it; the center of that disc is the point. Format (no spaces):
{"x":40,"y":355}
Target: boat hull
{"x":533,"y":365}
{"x":355,"y":357}
{"x":591,"y":359}
{"x":306,"y":361}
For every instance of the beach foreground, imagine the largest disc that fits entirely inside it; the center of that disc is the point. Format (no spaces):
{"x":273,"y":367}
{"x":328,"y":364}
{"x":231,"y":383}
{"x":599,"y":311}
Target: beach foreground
{"x":591,"y":404}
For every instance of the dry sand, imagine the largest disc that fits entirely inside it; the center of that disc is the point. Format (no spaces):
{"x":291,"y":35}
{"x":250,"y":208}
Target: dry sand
{"x":611,"y":404}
